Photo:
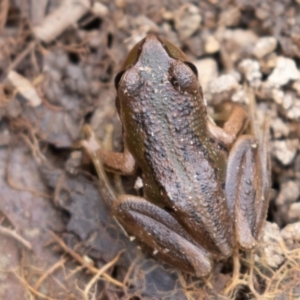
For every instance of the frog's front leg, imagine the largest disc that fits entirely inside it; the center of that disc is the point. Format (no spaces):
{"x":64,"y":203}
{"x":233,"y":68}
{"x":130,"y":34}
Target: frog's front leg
{"x":118,"y":163}
{"x":161,"y":232}
{"x":122,"y":163}
{"x":247,"y":188}
{"x":237,"y":122}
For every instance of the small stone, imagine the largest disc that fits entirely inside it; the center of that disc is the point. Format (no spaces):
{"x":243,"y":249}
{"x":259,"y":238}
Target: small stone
{"x":207,"y":71}
{"x":294,"y":112}
{"x":290,"y":102}
{"x":138,"y":183}
{"x":268,"y":63}
{"x":223,"y":84}
{"x":291,"y":234}
{"x":142,"y":25}
{"x":240,"y":37}
{"x":287,"y":101}
{"x":73,"y":162}
{"x":271,"y":239}
{"x":240,"y":96}
{"x":279,"y":128}
{"x":230,"y":17}
{"x":289,"y":193}
{"x":285,"y":71}
{"x":237,"y":43}
{"x":262,"y":13}
{"x":296,"y":87}
{"x":277,"y":95}
{"x":222,"y":88}
{"x":187,"y":20}
{"x":237,"y":75}
{"x":264,"y":46}
{"x":285,"y":151}
{"x":211,"y":45}
{"x":294,"y":212}
{"x":250,"y":69}
{"x":100,"y":9}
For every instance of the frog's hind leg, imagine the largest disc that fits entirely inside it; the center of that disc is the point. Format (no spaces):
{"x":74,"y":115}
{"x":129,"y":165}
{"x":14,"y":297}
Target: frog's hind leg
{"x":161,"y":232}
{"x":247,"y":193}
{"x":247,"y":189}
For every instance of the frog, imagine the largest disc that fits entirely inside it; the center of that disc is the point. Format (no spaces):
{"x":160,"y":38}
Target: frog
{"x":205,"y":188}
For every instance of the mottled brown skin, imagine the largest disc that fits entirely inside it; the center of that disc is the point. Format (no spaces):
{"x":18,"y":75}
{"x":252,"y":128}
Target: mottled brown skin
{"x":205,"y":187}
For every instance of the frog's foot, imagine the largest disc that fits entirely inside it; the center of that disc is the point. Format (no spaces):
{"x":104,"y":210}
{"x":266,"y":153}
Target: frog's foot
{"x":90,"y":143}
{"x":161,"y":232}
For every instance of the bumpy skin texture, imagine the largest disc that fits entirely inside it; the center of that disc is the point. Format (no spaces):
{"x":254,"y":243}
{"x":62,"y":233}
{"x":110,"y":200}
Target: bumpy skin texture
{"x":205,"y":187}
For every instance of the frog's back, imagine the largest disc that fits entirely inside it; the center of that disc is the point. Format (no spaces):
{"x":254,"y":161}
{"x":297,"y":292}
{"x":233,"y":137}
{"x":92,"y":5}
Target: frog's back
{"x":183,"y":167}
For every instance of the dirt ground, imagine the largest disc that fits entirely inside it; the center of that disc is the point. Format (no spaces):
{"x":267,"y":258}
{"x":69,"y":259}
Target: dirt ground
{"x":58,"y":60}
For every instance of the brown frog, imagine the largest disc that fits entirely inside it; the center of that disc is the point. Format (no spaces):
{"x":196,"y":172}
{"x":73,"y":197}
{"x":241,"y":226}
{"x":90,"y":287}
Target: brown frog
{"x":205,"y":188}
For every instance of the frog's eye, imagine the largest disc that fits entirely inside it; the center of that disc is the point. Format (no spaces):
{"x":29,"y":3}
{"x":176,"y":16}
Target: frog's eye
{"x":183,"y":75}
{"x":192,"y":67}
{"x":118,"y":78}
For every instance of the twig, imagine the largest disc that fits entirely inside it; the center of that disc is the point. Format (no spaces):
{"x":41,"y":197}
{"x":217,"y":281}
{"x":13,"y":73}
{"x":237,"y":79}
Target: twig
{"x":68,"y":13}
{"x":236,"y":272}
{"x":31,"y":289}
{"x":99,"y":273}
{"x":25,"y":88}
{"x":4,"y":6}
{"x":16,"y":236}
{"x":77,"y":257}
{"x":57,"y":265}
{"x":21,"y":56}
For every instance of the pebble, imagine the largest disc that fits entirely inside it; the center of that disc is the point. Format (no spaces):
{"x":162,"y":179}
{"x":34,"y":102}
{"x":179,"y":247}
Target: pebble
{"x":271,"y":238}
{"x":240,"y":96}
{"x":187,"y":20}
{"x":238,"y":43}
{"x":207,"y":71}
{"x":268,"y":63}
{"x":285,"y":71}
{"x":291,"y":234}
{"x":289,"y":192}
{"x":296,"y":87}
{"x":100,"y":9}
{"x":264,"y":46}
{"x":224,"y":83}
{"x":285,"y":151}
{"x":240,"y":37}
{"x":289,"y":101}
{"x":294,"y":112}
{"x":280,"y":129}
{"x":222,"y":88}
{"x":230,"y":17}
{"x":211,"y":45}
{"x":250,"y":69}
{"x":294,"y":212}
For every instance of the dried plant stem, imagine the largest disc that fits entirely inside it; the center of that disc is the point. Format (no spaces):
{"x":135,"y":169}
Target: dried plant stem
{"x":81,"y":260}
{"x":57,"y":265}
{"x":236,"y":272}
{"x":16,"y":236}
{"x":31,"y":289}
{"x":99,"y":273}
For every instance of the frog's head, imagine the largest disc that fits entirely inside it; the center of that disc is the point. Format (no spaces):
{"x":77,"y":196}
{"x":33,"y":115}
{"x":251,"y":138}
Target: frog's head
{"x":155,"y":65}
